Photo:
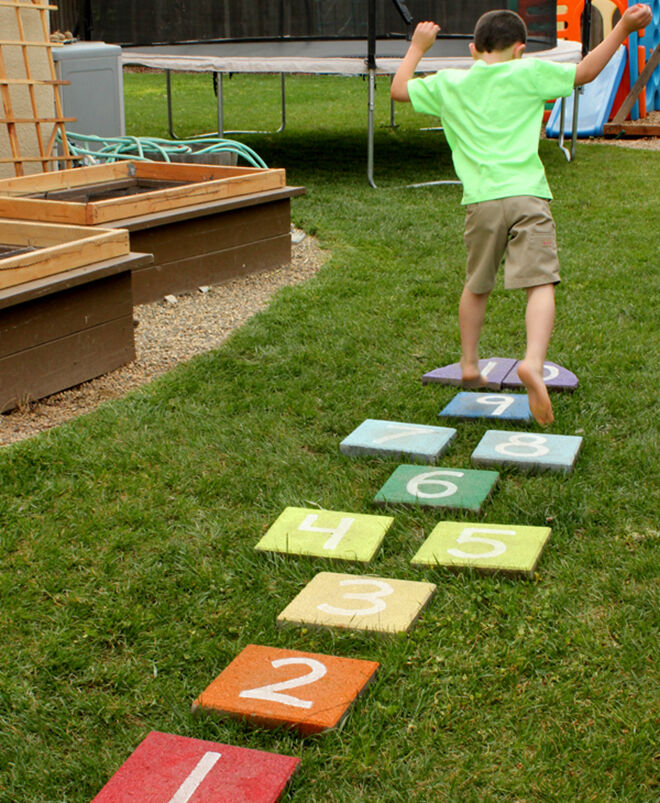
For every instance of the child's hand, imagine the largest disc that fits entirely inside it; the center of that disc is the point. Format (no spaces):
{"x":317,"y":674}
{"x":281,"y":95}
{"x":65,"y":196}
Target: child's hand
{"x":424,"y":35}
{"x":636,"y":17}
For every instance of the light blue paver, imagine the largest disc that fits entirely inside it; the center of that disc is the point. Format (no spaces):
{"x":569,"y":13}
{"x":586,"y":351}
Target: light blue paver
{"x":396,"y":439}
{"x":527,"y":450}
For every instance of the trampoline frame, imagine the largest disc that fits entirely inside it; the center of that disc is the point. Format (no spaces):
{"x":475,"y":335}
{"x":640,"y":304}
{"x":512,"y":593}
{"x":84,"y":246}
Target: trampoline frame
{"x":565,"y":51}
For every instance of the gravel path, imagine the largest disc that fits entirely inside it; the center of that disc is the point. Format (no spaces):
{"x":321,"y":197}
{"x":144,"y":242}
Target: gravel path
{"x":167,"y":334}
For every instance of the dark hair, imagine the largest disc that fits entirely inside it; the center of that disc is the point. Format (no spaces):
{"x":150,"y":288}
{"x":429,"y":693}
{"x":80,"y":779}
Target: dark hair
{"x":498,"y":30}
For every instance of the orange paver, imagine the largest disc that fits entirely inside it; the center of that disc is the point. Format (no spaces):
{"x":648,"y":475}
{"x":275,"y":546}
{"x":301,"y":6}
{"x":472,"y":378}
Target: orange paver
{"x":272,"y":687}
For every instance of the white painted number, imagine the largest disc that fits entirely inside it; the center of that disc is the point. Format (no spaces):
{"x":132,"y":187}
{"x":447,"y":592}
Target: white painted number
{"x":192,"y":782}
{"x":336,"y":535}
{"x":550,"y":372}
{"x":429,"y":478}
{"x":523,"y":444}
{"x":384,"y":590}
{"x":467,"y":536}
{"x":272,"y":691}
{"x":500,"y":403}
{"x":488,"y":368}
{"x":402,"y":431}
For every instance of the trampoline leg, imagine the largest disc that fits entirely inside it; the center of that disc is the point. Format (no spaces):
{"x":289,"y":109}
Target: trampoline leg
{"x":168,"y":84}
{"x":220,"y":108}
{"x":370,"y":127}
{"x":570,"y":155}
{"x":574,"y":131}
{"x":283,"y":103}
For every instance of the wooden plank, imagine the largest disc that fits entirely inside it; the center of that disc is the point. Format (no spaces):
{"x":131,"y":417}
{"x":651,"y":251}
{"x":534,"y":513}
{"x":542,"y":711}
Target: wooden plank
{"x":631,"y":129}
{"x":151,"y":284}
{"x":36,"y":210}
{"x":26,"y":120}
{"x":187,"y":171}
{"x":63,"y":363}
{"x":207,"y":209}
{"x":637,"y":87}
{"x":17,"y":232}
{"x":22,"y":43}
{"x":60,"y":314}
{"x":26,"y":6}
{"x":150,"y":202}
{"x":64,"y":179}
{"x":57,"y":258}
{"x":59,"y":282}
{"x":175,"y":241}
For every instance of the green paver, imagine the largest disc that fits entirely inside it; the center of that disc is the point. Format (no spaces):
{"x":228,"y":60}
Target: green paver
{"x":490,"y":547}
{"x":326,"y":533}
{"x":450,"y":488}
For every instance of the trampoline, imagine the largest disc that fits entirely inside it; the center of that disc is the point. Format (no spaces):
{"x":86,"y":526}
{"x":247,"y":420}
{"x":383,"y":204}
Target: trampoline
{"x":369,"y":55}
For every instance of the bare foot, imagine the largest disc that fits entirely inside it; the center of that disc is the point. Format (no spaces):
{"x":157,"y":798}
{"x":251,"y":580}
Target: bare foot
{"x":539,"y":400}
{"x":471,"y":377}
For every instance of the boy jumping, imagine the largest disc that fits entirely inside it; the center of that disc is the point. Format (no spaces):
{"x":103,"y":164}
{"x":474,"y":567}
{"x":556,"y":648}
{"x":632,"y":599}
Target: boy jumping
{"x":491,"y":115}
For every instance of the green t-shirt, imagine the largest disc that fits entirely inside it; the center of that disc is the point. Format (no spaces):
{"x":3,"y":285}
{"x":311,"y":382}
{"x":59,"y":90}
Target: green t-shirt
{"x":491,"y":115}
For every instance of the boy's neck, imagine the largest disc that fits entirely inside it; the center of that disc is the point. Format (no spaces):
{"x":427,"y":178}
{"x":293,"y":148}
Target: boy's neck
{"x":498,"y":56}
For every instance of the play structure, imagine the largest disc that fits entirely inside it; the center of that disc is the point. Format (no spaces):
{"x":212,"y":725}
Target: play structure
{"x":590,"y":109}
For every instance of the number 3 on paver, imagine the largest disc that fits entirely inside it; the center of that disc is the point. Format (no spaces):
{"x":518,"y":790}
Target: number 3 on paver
{"x":376,"y":603}
{"x":488,"y":547}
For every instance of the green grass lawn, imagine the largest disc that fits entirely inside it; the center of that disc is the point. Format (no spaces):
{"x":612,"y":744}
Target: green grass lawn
{"x":129,"y":578}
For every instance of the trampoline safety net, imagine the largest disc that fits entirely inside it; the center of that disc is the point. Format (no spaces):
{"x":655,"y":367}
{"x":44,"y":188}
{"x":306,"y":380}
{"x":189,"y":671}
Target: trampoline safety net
{"x":148,"y":22}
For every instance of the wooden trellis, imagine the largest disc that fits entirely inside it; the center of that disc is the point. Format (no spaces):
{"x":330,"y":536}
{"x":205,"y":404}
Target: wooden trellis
{"x":31,"y":106}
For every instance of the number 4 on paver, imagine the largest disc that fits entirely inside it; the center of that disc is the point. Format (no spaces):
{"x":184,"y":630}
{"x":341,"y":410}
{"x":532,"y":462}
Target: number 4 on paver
{"x":326,"y":533}
{"x":507,"y":548}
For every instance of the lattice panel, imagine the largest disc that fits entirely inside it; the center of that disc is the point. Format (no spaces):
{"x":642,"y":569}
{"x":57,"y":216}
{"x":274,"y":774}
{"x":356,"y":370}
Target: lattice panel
{"x":31,"y":113}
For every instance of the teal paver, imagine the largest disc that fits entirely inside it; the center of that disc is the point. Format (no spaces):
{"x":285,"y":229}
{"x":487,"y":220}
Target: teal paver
{"x":497,"y":406}
{"x":507,"y":548}
{"x":527,"y":450}
{"x":449,"y":488}
{"x":378,"y":438}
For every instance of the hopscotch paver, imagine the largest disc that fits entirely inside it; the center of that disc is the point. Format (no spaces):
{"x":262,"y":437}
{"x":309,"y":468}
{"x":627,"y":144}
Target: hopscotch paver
{"x":448,"y":488}
{"x":358,"y":603}
{"x":501,"y":372}
{"x":527,"y":450}
{"x":493,"y":369}
{"x":272,"y":687}
{"x":326,"y":533}
{"x":166,"y":768}
{"x":507,"y":548}
{"x":555,"y":377}
{"x":397,"y":439}
{"x":502,"y":406}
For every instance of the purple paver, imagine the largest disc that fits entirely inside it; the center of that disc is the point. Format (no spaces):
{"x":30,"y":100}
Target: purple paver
{"x":494,"y":369}
{"x":555,"y":377}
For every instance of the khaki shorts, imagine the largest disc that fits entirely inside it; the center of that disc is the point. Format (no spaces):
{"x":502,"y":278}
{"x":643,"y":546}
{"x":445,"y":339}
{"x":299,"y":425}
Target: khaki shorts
{"x":520,"y":228}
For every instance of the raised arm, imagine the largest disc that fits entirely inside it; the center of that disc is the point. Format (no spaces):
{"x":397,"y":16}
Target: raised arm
{"x":422,"y":40}
{"x":634,"y":18}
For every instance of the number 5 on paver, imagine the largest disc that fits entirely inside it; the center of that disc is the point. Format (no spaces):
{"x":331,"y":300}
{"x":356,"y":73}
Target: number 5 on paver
{"x":506,"y":548}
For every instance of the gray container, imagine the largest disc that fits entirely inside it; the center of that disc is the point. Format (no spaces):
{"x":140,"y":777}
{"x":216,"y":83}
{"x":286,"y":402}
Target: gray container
{"x":95,"y":94}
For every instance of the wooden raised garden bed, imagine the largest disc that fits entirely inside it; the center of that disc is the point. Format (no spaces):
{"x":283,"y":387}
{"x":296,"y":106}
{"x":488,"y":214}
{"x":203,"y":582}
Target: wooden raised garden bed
{"x":66,"y":307}
{"x":35,"y":250}
{"x":102,"y":193}
{"x":208,"y":225}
